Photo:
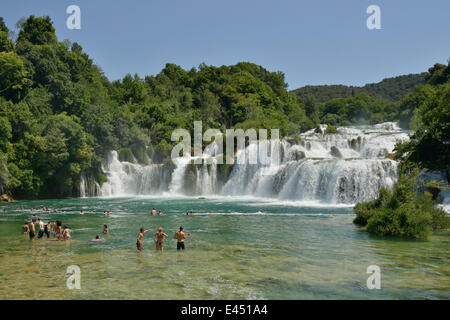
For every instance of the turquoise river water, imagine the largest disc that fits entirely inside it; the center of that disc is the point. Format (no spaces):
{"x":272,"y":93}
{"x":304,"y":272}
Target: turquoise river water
{"x":240,"y":249}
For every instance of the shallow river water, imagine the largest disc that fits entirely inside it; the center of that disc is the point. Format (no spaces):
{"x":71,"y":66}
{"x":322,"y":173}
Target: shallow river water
{"x":241,"y":248}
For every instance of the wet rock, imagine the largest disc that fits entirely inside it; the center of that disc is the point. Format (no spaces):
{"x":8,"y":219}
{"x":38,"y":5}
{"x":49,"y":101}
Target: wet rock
{"x":5,"y":198}
{"x":335,"y":152}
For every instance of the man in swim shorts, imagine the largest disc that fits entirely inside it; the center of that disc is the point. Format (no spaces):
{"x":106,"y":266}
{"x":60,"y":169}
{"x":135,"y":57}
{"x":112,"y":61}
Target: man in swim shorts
{"x":32,"y":230}
{"x":140,"y":237}
{"x":41,"y":228}
{"x":181,"y":236}
{"x":47,"y":229}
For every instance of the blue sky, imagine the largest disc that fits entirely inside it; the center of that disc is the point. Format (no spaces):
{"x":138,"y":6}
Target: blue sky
{"x":312,"y":42}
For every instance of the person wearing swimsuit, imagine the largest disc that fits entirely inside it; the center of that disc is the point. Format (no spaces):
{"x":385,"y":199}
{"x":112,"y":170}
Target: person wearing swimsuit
{"x":159,"y":238}
{"x":140,"y":237}
{"x":54,"y":229}
{"x":25,"y":228}
{"x":32,"y":234}
{"x":181,"y":236}
{"x":41,"y":228}
{"x":66,"y":233}
{"x":47,"y":229}
{"x":58,"y":233}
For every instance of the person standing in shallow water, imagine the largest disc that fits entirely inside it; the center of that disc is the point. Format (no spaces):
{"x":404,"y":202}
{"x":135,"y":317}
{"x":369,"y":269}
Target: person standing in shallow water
{"x":32,"y":230}
{"x":25,"y":228}
{"x":140,"y":237}
{"x":47,"y":229}
{"x":159,"y":239}
{"x":66,"y":233}
{"x":58,"y":233}
{"x":41,"y":228}
{"x":54,"y":229}
{"x":181,"y":236}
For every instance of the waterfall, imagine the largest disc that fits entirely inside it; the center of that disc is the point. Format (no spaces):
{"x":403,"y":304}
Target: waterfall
{"x":177,"y":183}
{"x":347,"y":167}
{"x":125,"y":178}
{"x":88,"y":186}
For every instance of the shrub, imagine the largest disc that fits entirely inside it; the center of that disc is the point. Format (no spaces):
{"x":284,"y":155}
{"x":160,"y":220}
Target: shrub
{"x":125,"y":154}
{"x":331,"y":130}
{"x":403,"y":213}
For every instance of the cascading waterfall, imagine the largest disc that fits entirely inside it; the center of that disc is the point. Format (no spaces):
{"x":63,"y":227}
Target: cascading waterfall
{"x":331,"y":168}
{"x":125,"y":178}
{"x":88,"y":186}
{"x":347,"y":167}
{"x":177,"y":183}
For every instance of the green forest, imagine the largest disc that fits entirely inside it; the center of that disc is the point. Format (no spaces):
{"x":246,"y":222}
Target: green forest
{"x":60,"y":115}
{"x":409,"y":210}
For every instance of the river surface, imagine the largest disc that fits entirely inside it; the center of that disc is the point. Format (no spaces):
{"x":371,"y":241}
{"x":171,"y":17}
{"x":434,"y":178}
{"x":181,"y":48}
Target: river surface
{"x":241,"y":248}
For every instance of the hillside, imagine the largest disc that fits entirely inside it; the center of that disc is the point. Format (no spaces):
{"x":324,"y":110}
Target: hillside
{"x":389,"y":89}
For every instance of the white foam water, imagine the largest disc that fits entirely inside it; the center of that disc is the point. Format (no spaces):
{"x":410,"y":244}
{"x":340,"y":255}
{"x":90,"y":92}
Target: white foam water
{"x":342,"y":168}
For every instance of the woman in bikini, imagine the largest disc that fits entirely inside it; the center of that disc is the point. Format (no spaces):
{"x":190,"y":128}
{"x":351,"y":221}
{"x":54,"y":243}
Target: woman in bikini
{"x":159,"y":238}
{"x":66,"y":233}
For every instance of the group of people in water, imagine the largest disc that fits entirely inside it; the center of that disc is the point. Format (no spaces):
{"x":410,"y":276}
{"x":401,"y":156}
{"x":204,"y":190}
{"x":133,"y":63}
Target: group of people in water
{"x":55,"y":228}
{"x":60,"y":233}
{"x":160,"y":236}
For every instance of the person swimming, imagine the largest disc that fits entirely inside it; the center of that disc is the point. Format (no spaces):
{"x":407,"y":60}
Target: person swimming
{"x":159,"y":238}
{"x":97,"y":239}
{"x":140,"y":237}
{"x":153,"y":212}
{"x":105,"y":229}
{"x":160,"y":213}
{"x":181,"y":236}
